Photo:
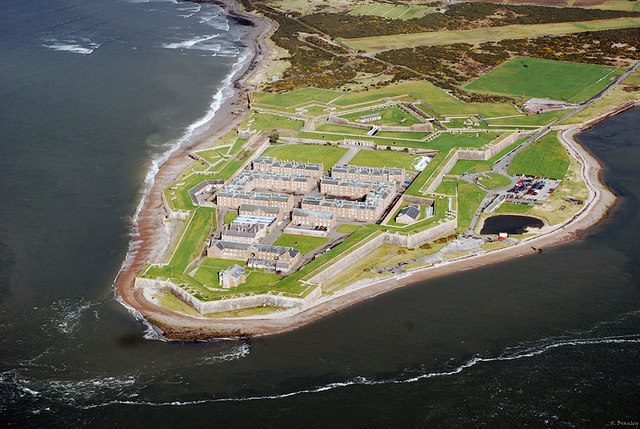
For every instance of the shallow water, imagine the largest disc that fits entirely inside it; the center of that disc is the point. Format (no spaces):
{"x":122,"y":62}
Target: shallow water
{"x":553,"y":340}
{"x":511,"y":224}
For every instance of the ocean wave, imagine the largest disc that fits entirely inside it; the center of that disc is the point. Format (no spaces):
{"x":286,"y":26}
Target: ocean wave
{"x":195,"y":43}
{"x":519,"y":352}
{"x":82,"y":46}
{"x":225,"y":91}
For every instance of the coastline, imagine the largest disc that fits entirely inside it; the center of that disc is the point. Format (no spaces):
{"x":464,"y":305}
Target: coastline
{"x":601,"y":200}
{"x":149,"y":230}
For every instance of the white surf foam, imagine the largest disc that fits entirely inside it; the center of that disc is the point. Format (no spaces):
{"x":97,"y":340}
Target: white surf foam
{"x":526,"y":352}
{"x":82,"y":46}
{"x":195,"y":43}
{"x":236,"y":353}
{"x":67,"y":315}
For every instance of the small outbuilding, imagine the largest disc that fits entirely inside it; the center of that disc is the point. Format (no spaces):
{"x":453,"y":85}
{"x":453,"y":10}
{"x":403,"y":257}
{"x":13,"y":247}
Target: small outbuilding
{"x":232,"y":276}
{"x":409,"y":214}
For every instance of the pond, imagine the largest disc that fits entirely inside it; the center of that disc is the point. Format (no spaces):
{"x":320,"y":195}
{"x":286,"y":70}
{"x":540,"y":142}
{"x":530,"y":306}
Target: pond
{"x":511,"y":224}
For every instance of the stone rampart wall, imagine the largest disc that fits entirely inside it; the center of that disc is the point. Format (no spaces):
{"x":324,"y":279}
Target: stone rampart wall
{"x":332,"y":269}
{"x":205,"y":307}
{"x":447,"y":167}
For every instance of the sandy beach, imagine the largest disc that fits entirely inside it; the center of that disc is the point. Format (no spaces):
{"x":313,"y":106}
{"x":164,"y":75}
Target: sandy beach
{"x":154,"y":239}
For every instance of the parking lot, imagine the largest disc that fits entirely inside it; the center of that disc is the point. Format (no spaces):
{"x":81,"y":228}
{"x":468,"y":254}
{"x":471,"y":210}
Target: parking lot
{"x":531,"y":188}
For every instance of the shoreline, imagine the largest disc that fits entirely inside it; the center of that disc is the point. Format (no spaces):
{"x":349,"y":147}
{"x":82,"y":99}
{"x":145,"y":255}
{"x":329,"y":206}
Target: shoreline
{"x":182,"y":327}
{"x":150,"y":232}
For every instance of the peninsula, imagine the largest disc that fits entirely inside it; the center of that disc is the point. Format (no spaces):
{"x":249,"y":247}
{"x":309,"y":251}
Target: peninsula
{"x":371,"y":145}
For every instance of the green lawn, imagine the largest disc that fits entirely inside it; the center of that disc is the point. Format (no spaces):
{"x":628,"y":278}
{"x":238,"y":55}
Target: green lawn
{"x":229,"y":217}
{"x":546,"y":157}
{"x":237,"y":146}
{"x":411,"y":135}
{"x":469,"y":198}
{"x":328,"y":155}
{"x":387,"y":158}
{"x":341,"y":129}
{"x":534,"y":77}
{"x":303,"y":243}
{"x":346,"y":228}
{"x":493,"y":180}
{"x":296,"y":97}
{"x":193,"y":239}
{"x":447,"y":187}
{"x":267,"y":122}
{"x":446,"y":141}
{"x":390,"y":116}
{"x":513,"y":208}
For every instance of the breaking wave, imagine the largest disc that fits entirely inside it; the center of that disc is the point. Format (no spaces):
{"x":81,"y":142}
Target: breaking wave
{"x":510,"y":354}
{"x":195,"y":43}
{"x":82,"y":45}
{"x":68,"y":315}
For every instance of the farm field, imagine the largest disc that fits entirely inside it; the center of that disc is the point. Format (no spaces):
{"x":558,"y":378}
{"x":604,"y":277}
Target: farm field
{"x":534,"y":77}
{"x":491,"y":34}
{"x":329,"y":155}
{"x":546,"y":158}
{"x":377,"y":158}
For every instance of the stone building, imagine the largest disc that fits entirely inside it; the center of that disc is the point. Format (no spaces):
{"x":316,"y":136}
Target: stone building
{"x":313,"y":219}
{"x":233,"y":199}
{"x":245,"y":233}
{"x":286,"y":257}
{"x":409,"y":214}
{"x":272,"y":165}
{"x":252,"y":180}
{"x":232,"y":276}
{"x":256,"y":210}
{"x":370,"y":174}
{"x":369,"y":118}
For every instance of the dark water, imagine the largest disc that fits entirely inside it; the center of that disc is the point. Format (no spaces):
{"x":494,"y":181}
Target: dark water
{"x":511,"y":224}
{"x":553,"y":343}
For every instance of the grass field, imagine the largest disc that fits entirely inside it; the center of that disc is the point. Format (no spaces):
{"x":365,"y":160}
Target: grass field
{"x":447,"y":187}
{"x":266,"y":122}
{"x":378,"y":158}
{"x":546,"y":158}
{"x":193,"y":238}
{"x":391,"y":11}
{"x":328,"y":155}
{"x":469,"y":198}
{"x":493,"y":180}
{"x":343,"y":129}
{"x":346,"y":228}
{"x":390,"y":116}
{"x":229,"y":217}
{"x":534,"y":77}
{"x":293,"y":98}
{"x":303,"y":243}
{"x":518,"y":31}
{"x":446,"y":141}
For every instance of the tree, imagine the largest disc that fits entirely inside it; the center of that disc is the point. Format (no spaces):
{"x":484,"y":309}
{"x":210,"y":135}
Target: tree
{"x":273,"y":138}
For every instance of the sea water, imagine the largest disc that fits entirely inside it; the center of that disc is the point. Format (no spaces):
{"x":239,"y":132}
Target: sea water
{"x":94,"y":92}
